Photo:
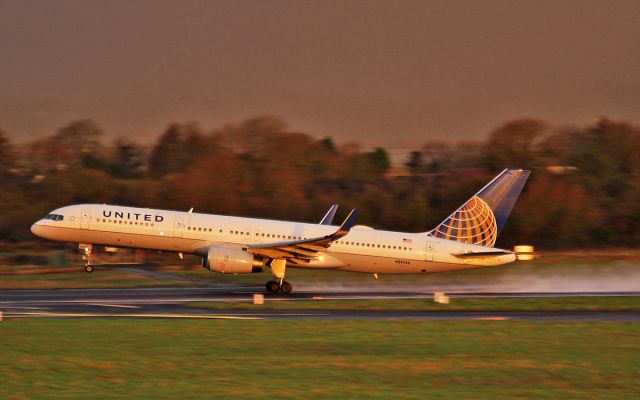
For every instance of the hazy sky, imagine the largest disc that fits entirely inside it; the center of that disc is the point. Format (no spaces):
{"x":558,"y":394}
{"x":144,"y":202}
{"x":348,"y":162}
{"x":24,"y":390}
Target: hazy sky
{"x":389,"y":73}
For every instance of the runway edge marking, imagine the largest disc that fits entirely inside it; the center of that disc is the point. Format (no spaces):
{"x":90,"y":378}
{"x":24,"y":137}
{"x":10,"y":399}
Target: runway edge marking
{"x":95,"y":315}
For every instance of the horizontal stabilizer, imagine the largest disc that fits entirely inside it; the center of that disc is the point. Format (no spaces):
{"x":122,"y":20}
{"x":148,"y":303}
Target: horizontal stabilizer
{"x":474,"y":254}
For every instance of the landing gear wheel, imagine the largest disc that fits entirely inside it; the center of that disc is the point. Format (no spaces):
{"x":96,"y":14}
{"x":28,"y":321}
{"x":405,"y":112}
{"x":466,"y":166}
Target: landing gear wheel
{"x":86,"y":249}
{"x":286,"y":287}
{"x":273,"y":287}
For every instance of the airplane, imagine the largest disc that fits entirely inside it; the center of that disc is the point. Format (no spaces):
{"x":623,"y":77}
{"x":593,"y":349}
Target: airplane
{"x":238,"y":245}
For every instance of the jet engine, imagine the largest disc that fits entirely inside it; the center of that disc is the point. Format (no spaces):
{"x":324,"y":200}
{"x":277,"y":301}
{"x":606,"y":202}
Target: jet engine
{"x":232,"y":261}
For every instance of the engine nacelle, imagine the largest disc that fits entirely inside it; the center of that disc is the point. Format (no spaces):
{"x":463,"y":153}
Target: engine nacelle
{"x":232,"y":261}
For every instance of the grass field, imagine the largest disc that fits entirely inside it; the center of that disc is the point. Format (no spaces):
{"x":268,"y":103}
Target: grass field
{"x":80,"y":279}
{"x":177,"y":359}
{"x":626,"y":303}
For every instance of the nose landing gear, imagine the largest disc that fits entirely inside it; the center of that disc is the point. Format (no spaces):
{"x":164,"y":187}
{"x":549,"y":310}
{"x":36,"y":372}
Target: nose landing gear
{"x":88,"y":268}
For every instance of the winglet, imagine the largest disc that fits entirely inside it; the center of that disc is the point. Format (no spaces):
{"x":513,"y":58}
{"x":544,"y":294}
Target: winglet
{"x":348,"y":223}
{"x":328,"y":217}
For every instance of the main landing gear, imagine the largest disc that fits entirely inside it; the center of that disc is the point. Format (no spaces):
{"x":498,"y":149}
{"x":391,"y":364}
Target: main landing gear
{"x":278,"y":284}
{"x":275,"y":287}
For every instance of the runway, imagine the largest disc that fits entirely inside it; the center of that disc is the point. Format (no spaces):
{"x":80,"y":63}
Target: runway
{"x":169,"y":302}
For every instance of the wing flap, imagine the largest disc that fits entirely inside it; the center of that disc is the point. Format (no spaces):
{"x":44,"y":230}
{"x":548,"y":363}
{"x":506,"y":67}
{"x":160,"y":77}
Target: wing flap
{"x":303,"y":251}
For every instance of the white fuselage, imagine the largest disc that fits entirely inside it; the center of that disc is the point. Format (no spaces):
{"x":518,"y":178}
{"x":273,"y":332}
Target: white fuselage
{"x":362,"y":249}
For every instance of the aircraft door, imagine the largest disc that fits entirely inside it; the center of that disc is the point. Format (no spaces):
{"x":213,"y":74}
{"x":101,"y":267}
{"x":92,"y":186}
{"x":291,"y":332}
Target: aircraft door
{"x":257,"y":235}
{"x":84,"y":220}
{"x":178,"y":227}
{"x":428,"y":254}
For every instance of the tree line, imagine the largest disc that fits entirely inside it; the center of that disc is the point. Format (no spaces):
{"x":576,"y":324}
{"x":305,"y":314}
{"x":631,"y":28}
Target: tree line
{"x":584,"y":190}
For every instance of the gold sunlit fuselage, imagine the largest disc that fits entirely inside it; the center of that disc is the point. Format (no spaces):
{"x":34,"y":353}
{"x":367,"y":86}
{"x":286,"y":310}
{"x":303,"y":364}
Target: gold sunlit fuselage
{"x":361,"y":250}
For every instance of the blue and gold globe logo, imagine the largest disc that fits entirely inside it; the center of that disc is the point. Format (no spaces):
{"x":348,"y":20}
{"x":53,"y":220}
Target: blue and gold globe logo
{"x":473,"y":223}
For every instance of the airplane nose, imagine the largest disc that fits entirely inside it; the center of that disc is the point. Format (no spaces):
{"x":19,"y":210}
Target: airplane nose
{"x":36,"y":229}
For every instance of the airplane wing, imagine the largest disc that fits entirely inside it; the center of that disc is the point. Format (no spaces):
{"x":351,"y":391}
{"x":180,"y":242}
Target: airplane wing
{"x":328,"y":217}
{"x":302,"y":251}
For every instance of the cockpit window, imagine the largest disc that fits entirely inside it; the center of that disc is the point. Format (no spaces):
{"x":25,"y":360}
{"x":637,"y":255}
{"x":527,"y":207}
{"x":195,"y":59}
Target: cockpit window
{"x":54,"y":217}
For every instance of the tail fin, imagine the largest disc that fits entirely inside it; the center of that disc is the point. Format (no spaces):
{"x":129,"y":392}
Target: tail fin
{"x":482,"y":217}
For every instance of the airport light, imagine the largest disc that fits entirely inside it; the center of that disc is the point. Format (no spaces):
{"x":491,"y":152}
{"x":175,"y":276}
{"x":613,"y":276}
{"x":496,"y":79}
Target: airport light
{"x":258,"y":299}
{"x":524,"y":252}
{"x":440,"y":298}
